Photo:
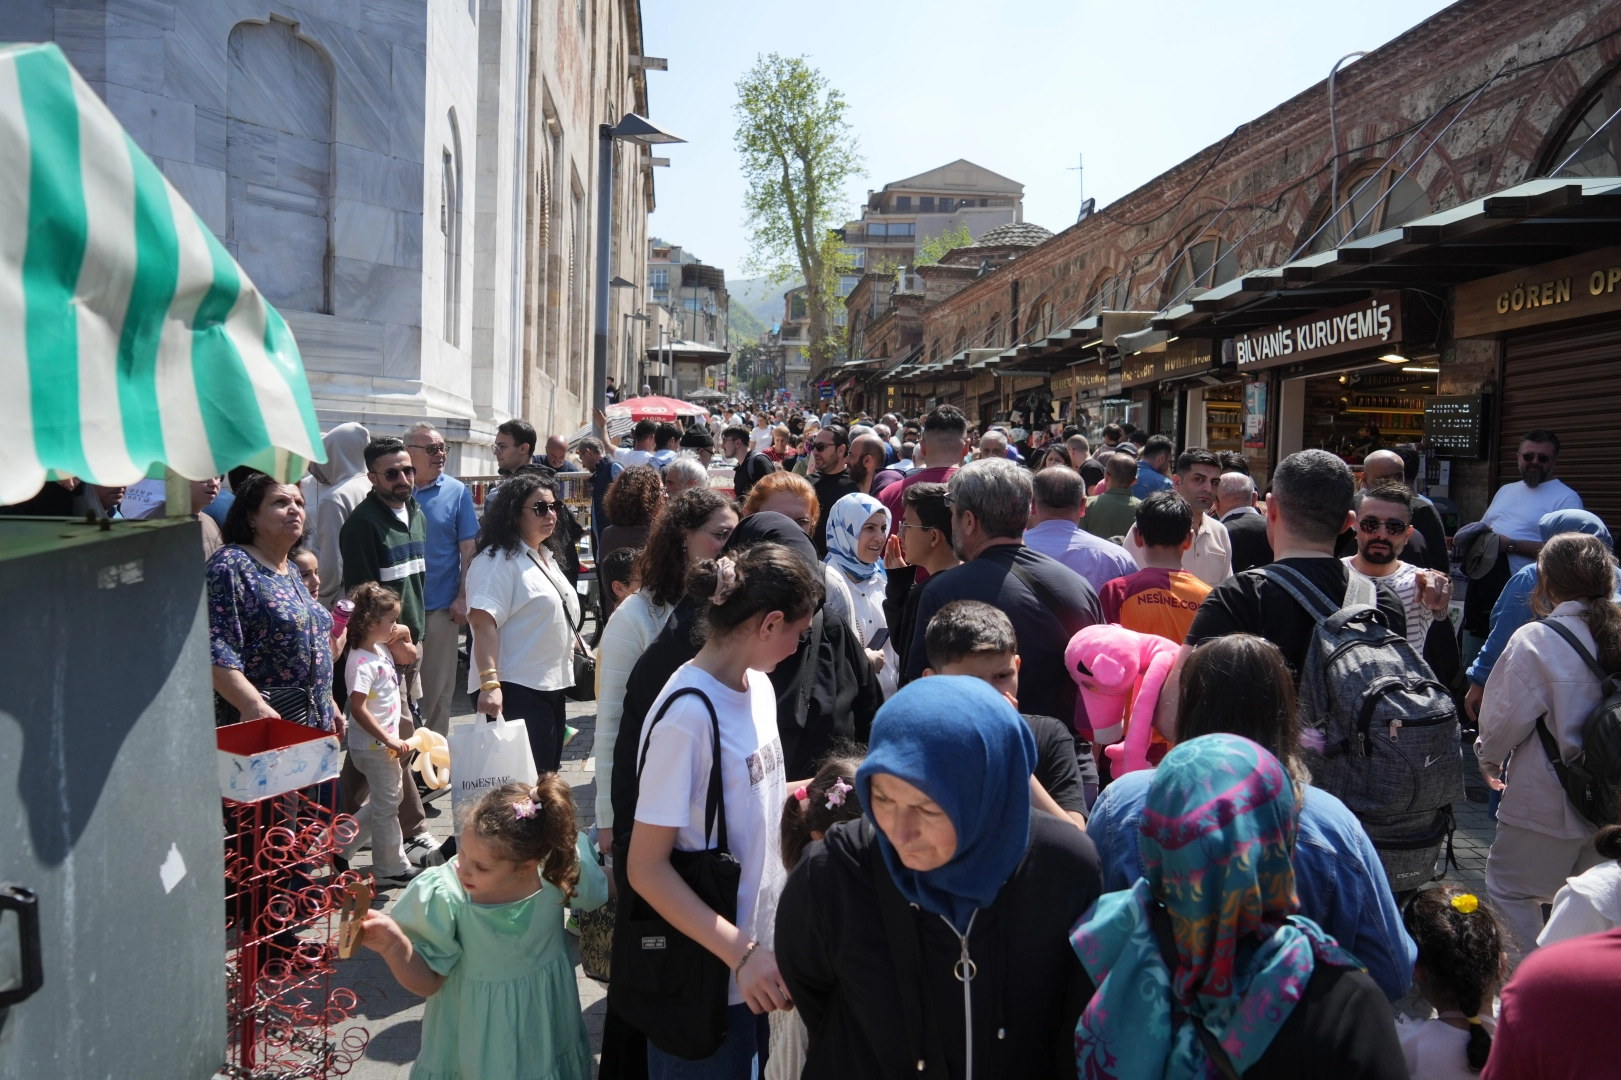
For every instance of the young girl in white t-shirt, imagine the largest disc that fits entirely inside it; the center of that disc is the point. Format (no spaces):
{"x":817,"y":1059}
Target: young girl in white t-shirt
{"x":759,"y":601}
{"x":1460,"y":966}
{"x":373,"y":733}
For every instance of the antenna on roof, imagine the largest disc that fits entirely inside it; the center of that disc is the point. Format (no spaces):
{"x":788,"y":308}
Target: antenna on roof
{"x":1080,"y":180}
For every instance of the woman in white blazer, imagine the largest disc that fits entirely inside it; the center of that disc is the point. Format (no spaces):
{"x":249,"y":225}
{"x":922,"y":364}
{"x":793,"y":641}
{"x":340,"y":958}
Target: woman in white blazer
{"x":1541,"y":839}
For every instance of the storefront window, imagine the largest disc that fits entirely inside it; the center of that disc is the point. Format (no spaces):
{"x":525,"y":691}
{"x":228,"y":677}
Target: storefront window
{"x":1354,"y":413}
{"x":1592,"y":154}
{"x":1370,"y":199}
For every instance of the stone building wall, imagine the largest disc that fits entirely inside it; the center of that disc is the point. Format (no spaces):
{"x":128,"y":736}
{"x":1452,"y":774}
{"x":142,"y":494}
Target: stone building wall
{"x":411,"y":182}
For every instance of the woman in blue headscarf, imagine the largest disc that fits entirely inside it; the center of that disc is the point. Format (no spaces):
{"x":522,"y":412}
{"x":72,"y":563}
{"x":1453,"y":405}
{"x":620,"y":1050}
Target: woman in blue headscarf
{"x":927,"y":939}
{"x":857,"y":526}
{"x":1202,"y":968}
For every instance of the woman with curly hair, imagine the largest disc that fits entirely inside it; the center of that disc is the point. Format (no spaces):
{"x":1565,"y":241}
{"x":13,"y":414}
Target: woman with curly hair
{"x":524,"y":613}
{"x":633,"y":503}
{"x":695,"y":527}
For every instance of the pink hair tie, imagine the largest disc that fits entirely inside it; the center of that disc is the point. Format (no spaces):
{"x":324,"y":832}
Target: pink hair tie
{"x":836,"y":793}
{"x":802,"y":794}
{"x":523,"y":808}
{"x":725,"y":580}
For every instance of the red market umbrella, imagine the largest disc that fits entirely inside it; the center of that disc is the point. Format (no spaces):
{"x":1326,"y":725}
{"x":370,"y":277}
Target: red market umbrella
{"x":655,"y":408}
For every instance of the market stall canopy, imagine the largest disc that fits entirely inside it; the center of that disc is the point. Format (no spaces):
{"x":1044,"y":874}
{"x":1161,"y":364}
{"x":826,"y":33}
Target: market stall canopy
{"x":655,"y":408}
{"x":129,"y":338}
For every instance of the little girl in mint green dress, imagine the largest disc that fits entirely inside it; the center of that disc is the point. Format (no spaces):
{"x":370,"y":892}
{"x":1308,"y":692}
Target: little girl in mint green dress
{"x":482,"y":938}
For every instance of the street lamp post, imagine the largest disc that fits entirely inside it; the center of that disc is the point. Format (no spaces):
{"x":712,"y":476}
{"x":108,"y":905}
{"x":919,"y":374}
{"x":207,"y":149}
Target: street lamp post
{"x":642,"y":132}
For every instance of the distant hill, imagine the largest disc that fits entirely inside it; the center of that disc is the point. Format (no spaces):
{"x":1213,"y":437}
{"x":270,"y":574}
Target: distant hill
{"x":743,"y":322}
{"x":762,"y":300}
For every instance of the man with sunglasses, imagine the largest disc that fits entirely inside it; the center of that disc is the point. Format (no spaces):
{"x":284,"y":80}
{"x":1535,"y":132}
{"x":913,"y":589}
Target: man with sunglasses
{"x":1384,"y":524}
{"x":830,"y":477}
{"x":1518,"y":507}
{"x":451,"y":524}
{"x":385,"y":539}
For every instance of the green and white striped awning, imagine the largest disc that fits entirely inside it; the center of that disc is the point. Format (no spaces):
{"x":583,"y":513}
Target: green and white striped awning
{"x":129,"y":337}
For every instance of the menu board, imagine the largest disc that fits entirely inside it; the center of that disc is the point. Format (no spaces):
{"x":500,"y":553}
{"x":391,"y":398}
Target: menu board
{"x":1452,"y":425}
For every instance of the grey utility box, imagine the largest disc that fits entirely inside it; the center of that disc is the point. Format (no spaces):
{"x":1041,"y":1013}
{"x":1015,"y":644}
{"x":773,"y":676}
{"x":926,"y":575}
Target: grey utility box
{"x":109,"y":804}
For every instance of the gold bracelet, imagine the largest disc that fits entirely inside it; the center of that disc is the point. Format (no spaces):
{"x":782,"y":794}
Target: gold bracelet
{"x":489,"y":671}
{"x":493,"y":684}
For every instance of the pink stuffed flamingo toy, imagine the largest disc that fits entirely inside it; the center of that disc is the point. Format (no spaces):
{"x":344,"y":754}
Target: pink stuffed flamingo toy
{"x":1117,"y":668}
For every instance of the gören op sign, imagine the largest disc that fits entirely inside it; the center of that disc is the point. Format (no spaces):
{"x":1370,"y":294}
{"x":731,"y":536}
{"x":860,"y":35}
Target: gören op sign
{"x":1373,"y":324}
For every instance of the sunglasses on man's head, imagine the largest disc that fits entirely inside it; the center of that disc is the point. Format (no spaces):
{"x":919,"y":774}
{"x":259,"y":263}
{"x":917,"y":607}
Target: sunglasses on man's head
{"x":1540,"y":459}
{"x":405,"y":472}
{"x":1392,"y":526}
{"x":544,"y":509}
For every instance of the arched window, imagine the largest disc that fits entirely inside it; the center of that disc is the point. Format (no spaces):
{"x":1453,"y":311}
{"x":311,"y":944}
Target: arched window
{"x":1046,"y":318}
{"x":961,"y":343}
{"x":1203,"y":264}
{"x":1111,"y":292}
{"x":450,"y":228}
{"x":278,"y":163}
{"x":993,"y":331}
{"x":1368,"y":198}
{"x":1591,"y":154}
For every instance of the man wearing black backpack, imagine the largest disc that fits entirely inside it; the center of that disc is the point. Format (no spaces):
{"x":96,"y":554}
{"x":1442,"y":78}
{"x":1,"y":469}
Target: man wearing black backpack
{"x":1362,"y":685}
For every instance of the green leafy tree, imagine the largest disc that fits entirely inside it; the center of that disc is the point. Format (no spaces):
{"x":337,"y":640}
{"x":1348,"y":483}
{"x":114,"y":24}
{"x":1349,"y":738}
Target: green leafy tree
{"x":797,"y":154}
{"x":935,"y":248}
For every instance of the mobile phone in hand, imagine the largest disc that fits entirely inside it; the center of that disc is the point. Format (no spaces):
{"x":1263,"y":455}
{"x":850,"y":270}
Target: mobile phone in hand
{"x":879,"y":636}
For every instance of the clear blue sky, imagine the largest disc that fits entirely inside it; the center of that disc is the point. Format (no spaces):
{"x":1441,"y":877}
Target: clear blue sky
{"x":1018,"y":86}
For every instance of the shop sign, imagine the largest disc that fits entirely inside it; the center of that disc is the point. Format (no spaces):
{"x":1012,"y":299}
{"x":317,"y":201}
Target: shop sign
{"x":1115,"y":376}
{"x":1255,"y":416}
{"x":1138,"y":369}
{"x":984,"y":383}
{"x":1086,"y":381}
{"x":1184,"y":357}
{"x":1375,"y":323}
{"x":1567,"y":289}
{"x":1452,"y":425}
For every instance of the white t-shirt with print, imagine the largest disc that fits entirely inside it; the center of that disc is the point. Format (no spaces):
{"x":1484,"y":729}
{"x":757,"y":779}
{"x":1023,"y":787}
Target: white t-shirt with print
{"x":675,"y":785}
{"x":373,"y":674}
{"x":1405,"y":581}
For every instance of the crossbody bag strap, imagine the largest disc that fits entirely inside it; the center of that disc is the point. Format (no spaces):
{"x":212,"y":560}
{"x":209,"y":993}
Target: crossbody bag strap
{"x":1604,"y":677}
{"x":1045,"y":596}
{"x":1307,"y":595}
{"x":900,"y":928}
{"x":1160,"y":922}
{"x":715,"y":802}
{"x":574,"y":627}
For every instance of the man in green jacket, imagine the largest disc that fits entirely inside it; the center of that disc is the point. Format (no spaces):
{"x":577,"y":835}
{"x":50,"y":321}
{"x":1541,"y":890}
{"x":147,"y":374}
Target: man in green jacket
{"x":1108,"y":515}
{"x":386,"y":536}
{"x":385,"y":540}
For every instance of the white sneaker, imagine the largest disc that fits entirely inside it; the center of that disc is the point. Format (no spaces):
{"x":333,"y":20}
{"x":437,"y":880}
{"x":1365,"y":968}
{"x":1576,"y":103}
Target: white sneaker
{"x":422,"y":852}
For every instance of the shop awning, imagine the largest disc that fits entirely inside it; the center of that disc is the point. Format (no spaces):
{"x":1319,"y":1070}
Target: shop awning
{"x":129,"y":338}
{"x":1535,"y":222}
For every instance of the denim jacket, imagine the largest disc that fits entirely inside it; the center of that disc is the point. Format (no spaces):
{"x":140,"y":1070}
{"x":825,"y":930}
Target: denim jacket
{"x":1338,"y":875}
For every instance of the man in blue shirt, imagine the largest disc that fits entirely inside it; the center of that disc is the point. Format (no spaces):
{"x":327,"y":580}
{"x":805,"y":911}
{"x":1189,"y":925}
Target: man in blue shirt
{"x":452,"y":524}
{"x":1153,"y":467}
{"x":604,"y":470}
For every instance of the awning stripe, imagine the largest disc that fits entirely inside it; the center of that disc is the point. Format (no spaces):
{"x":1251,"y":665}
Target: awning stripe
{"x":129,"y":337}
{"x":56,"y":228}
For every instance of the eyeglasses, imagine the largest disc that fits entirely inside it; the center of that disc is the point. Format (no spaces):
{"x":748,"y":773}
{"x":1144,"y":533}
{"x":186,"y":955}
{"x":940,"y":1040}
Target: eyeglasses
{"x":1392,"y":526}
{"x":1540,"y":459}
{"x":544,"y":509}
{"x":925,"y":528}
{"x":403,"y":472}
{"x":432,"y":449}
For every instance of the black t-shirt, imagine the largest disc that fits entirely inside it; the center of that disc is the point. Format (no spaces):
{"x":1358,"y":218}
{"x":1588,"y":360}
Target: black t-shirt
{"x":830,"y":488}
{"x":1092,"y":473}
{"x":1056,"y":767}
{"x":754,"y":467}
{"x":1252,"y":603}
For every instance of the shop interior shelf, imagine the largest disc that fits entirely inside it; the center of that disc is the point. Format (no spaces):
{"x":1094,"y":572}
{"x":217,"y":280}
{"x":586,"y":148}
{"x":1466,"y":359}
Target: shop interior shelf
{"x":1390,"y":411}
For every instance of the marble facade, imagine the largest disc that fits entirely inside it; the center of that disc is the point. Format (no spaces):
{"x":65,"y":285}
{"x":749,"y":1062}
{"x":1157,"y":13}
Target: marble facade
{"x":411,"y":182}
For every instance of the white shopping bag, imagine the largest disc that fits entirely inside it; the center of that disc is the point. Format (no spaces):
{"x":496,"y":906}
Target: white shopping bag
{"x":484,"y":755}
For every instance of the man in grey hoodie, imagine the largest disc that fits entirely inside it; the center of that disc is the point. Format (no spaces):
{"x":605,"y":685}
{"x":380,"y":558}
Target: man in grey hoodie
{"x":339,"y":487}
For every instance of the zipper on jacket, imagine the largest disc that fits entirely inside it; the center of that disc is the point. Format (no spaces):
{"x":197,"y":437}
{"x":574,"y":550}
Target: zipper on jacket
{"x":965,"y":969}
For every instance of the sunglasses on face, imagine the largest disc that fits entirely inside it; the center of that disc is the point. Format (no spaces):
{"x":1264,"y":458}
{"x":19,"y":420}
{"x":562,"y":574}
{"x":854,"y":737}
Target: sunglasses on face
{"x":544,"y":509}
{"x":432,"y":449}
{"x":403,"y":472}
{"x":1540,"y":459}
{"x":1392,"y":526}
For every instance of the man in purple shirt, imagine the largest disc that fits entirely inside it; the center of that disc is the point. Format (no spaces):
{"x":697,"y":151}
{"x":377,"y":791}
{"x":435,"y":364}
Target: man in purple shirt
{"x":1057,"y":506}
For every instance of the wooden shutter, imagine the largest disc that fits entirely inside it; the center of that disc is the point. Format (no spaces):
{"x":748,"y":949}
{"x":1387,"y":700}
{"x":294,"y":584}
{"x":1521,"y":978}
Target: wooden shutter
{"x":1568,"y":381}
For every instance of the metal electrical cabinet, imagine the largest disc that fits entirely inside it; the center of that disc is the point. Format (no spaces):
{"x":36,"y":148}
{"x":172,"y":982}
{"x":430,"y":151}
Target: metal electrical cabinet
{"x":109,"y":804}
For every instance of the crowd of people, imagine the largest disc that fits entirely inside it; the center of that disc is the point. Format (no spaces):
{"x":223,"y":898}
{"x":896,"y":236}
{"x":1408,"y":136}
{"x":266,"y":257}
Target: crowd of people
{"x":864,"y":794}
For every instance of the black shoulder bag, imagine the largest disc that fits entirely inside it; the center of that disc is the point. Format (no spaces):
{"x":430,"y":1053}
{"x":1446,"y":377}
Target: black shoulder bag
{"x":666,"y":985}
{"x":585,"y":663}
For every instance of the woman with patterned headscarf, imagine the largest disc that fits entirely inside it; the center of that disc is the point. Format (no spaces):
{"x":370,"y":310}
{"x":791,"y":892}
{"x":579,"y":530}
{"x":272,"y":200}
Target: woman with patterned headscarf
{"x":1202,"y":968}
{"x":857,"y":527}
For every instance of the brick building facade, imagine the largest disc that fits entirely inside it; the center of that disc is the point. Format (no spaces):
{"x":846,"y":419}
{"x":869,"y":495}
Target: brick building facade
{"x":1264,"y":196}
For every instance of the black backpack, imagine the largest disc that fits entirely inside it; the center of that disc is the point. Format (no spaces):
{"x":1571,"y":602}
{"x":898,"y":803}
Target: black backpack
{"x":1593,"y":781}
